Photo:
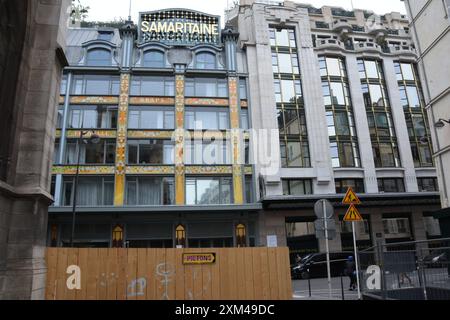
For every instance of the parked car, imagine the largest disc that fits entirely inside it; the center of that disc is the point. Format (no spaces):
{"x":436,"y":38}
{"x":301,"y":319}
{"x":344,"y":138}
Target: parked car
{"x":436,"y":259}
{"x":315,"y":265}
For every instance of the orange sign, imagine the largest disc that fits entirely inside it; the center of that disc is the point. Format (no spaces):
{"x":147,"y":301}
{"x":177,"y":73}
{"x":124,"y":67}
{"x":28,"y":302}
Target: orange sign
{"x":353,"y":214}
{"x":351,"y":197}
{"x":199,"y":258}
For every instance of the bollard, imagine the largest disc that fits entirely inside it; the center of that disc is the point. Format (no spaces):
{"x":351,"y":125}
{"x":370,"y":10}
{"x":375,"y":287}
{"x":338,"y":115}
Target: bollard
{"x":342,"y":288}
{"x":309,"y":284}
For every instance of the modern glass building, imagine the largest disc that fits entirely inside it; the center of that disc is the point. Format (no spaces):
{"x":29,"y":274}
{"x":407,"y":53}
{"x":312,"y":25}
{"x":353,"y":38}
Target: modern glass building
{"x":178,"y":109}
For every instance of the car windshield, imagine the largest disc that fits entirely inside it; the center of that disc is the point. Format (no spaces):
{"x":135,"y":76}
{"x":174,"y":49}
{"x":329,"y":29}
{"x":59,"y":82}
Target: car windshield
{"x":305,"y":258}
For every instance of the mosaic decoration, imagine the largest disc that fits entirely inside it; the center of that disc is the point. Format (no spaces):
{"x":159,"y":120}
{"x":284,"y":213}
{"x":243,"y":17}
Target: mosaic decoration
{"x":84,"y":170}
{"x":138,"y":134}
{"x":58,"y":133}
{"x":62,"y":99}
{"x":119,"y":194}
{"x":104,"y":134}
{"x":244,"y":104}
{"x":209,"y":170}
{"x":207,"y":102}
{"x":94,"y":100}
{"x":150,"y":170}
{"x":236,"y":140}
{"x":152,"y":101}
{"x":179,"y":141}
{"x":248,"y":170}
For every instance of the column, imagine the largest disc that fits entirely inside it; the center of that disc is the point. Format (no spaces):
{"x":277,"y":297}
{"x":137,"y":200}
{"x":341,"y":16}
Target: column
{"x":180,"y":179}
{"x":121,"y":144}
{"x":362,"y":126}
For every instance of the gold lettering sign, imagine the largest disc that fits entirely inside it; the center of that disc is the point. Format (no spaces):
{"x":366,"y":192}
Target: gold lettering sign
{"x":179,"y":26}
{"x":199,"y":258}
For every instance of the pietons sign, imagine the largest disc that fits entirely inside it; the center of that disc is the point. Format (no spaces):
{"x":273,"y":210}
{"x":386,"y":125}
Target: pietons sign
{"x":179,"y":27}
{"x":199,"y":258}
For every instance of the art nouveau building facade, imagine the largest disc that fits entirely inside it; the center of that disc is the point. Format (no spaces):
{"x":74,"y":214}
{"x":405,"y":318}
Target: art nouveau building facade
{"x":344,"y":100}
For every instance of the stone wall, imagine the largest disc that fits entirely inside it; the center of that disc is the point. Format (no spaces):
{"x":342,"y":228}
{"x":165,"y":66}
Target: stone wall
{"x":24,"y":194}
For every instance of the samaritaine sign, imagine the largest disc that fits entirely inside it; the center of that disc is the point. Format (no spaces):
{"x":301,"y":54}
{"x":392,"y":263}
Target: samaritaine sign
{"x":179,"y":27}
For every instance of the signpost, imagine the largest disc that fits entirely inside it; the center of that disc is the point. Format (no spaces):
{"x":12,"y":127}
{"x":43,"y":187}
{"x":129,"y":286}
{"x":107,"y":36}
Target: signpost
{"x":324,"y":210}
{"x":353,"y":215}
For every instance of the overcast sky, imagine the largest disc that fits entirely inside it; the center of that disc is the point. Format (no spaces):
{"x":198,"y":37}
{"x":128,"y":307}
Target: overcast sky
{"x":106,"y":10}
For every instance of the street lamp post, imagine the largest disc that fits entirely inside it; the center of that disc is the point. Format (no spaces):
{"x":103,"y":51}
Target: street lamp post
{"x":94,"y":139}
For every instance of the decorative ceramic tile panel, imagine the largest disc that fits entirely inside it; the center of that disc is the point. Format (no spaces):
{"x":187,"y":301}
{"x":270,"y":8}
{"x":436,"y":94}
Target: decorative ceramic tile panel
{"x":61,"y":99}
{"x":94,"y":100}
{"x":150,"y":170}
{"x":196,"y":170}
{"x":244,"y":104}
{"x":210,"y":102}
{"x":152,"y":101}
{"x":179,"y":140}
{"x":122,"y":122}
{"x":144,"y":134}
{"x":84,"y":170}
{"x":104,"y":134}
{"x":236,"y":139}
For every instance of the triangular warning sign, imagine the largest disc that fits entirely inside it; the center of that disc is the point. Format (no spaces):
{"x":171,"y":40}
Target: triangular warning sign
{"x":351,"y":197}
{"x":353,"y":214}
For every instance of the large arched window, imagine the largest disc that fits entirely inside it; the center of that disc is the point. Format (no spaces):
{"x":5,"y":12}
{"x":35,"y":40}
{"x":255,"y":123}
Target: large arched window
{"x":99,"y":57}
{"x":154,"y":59}
{"x":205,"y":60}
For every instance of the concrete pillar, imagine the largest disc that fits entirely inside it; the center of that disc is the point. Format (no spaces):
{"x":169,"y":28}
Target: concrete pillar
{"x":376,"y":221}
{"x":362,"y":126}
{"x":272,"y":224}
{"x":319,"y":141}
{"x":401,"y":130}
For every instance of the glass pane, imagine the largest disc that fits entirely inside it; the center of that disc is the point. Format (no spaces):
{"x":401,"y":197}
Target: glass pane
{"x":97,"y":86}
{"x":407,"y":71}
{"x":337,"y":93}
{"x":292,"y":121}
{"x":413,"y":97}
{"x":333,"y":67}
{"x":376,"y":95}
{"x":154,"y":59}
{"x":294,"y":154}
{"x":285,"y":63}
{"x":283,"y":38}
{"x":371,"y":69}
{"x":288,"y":90}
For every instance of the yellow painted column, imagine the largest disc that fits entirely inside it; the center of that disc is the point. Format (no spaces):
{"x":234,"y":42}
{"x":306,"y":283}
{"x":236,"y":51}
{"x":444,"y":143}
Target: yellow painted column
{"x":121,"y":144}
{"x":236,"y":140}
{"x":179,"y":141}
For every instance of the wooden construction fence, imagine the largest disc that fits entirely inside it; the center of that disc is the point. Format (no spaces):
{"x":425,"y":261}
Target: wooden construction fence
{"x":159,"y":274}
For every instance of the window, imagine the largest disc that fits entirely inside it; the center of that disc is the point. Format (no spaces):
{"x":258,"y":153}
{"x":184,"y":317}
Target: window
{"x":432,"y":226}
{"x":105,"y":35}
{"x":386,"y":155}
{"x":291,"y":121}
{"x":92,"y":117}
{"x":152,"y":86}
{"x":288,"y":91}
{"x":60,"y":117}
{"x":344,"y":155}
{"x":282,"y":37}
{"x":206,"y":87}
{"x":63,"y":86}
{"x":294,"y":154}
{"x":204,"y":191}
{"x":202,"y":153}
{"x":297,"y":187}
{"x":243,"y":89}
{"x":150,"y":152}
{"x":205,"y":60}
{"x":95,"y":85}
{"x":154,"y":59}
{"x":342,"y":185}
{"x":299,"y":229}
{"x":103,"y":152}
{"x":99,"y":58}
{"x":91,"y":191}
{"x":244,"y":119}
{"x":151,"y":118}
{"x":150,"y":191}
{"x":428,"y":184}
{"x":249,"y":198}
{"x":391,"y":185}
{"x":199,"y":118}
{"x":396,"y":227}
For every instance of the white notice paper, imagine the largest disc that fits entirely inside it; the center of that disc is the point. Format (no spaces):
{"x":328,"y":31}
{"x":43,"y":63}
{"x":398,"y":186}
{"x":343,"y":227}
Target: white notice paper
{"x":272,"y":241}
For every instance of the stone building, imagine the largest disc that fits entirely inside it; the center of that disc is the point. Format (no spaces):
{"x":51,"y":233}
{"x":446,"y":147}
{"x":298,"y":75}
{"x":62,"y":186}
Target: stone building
{"x":340,"y":92}
{"x":32,"y":41}
{"x":430,"y":29}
